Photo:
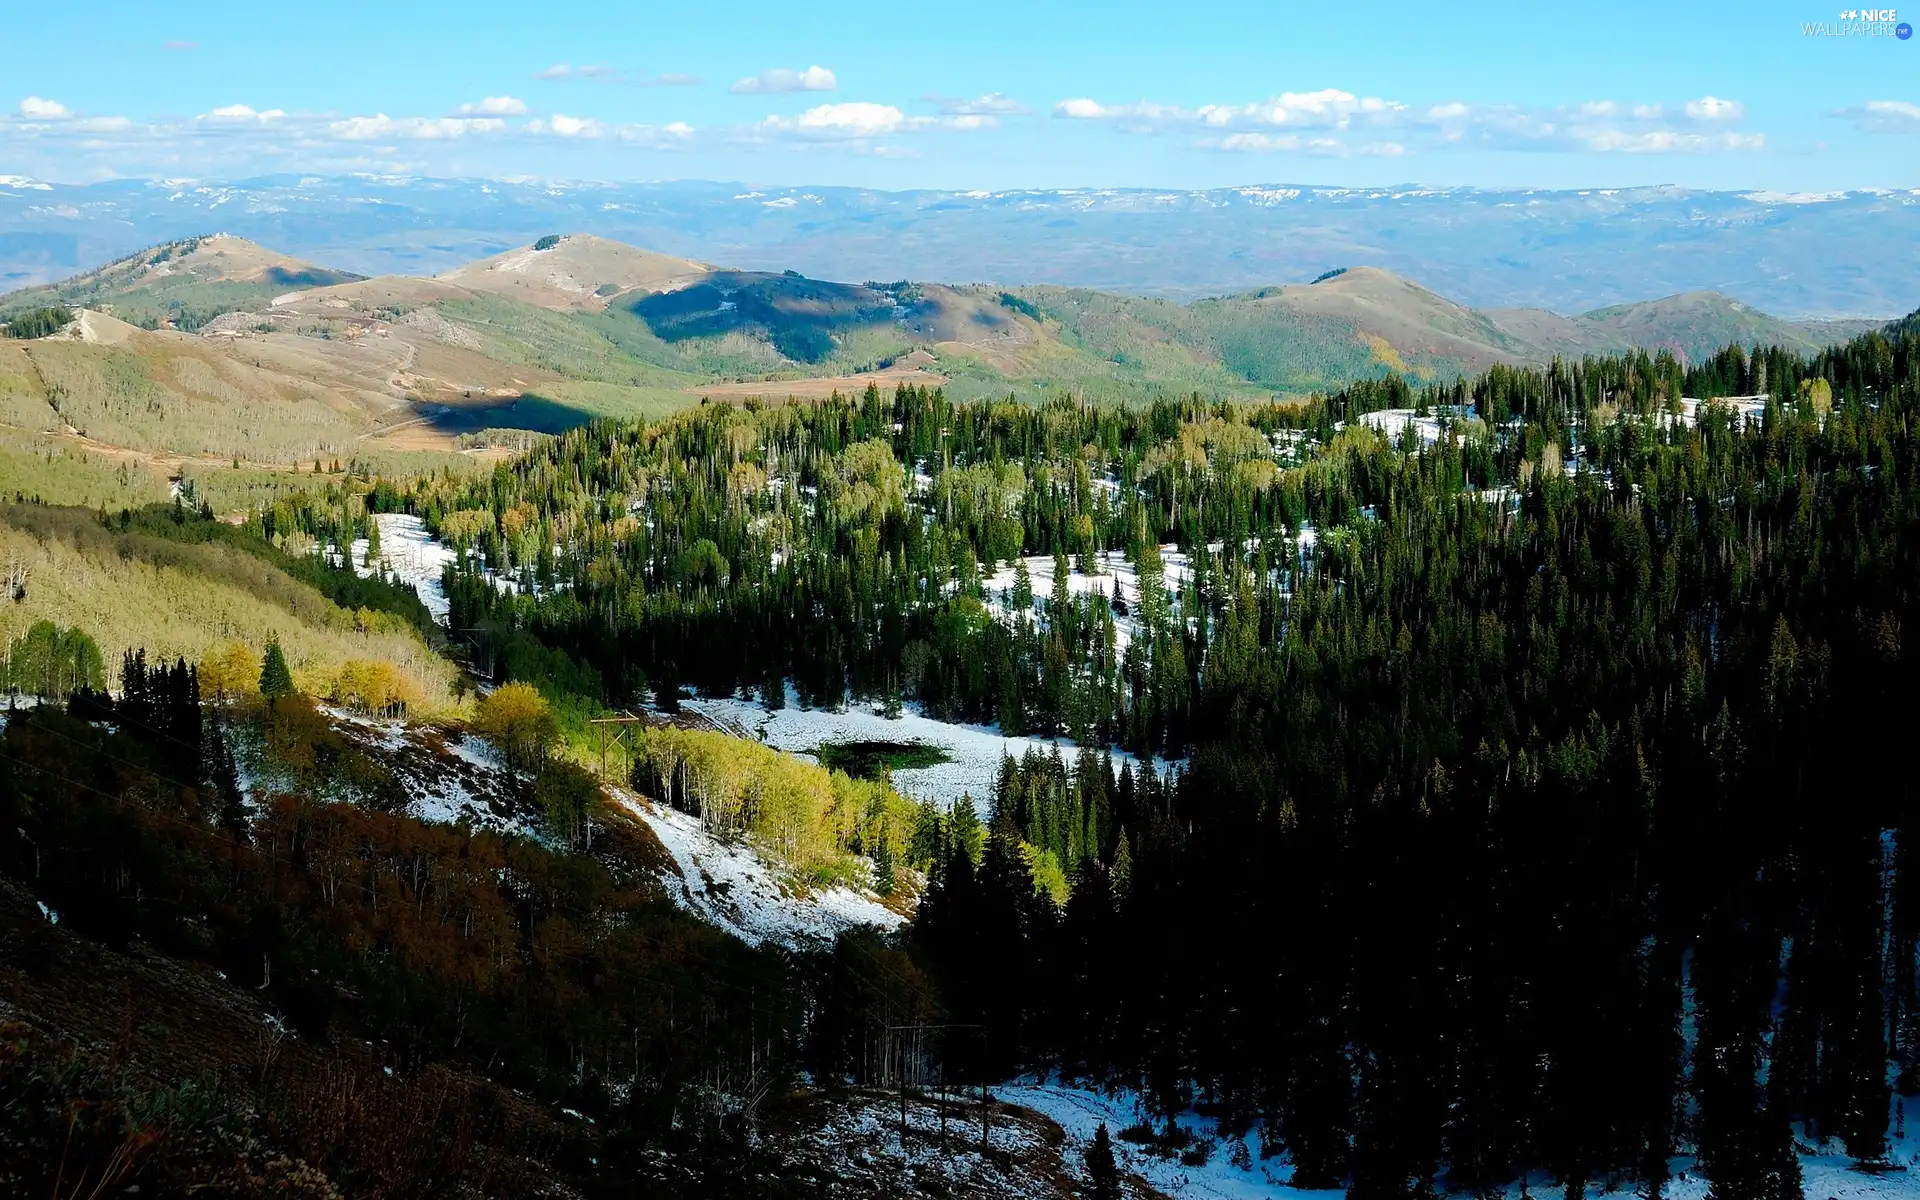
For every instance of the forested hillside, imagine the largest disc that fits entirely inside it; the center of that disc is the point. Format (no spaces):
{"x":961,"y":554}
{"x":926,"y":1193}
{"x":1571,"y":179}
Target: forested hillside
{"x":1541,"y":805}
{"x":1461,"y":783}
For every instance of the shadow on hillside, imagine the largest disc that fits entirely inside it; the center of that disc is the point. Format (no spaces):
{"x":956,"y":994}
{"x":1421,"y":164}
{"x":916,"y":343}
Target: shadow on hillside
{"x":530,"y":412}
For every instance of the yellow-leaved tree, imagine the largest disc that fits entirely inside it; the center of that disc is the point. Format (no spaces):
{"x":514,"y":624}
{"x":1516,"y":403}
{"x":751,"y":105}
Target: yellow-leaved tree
{"x":516,"y":718}
{"x":229,"y":673}
{"x":374,"y":687}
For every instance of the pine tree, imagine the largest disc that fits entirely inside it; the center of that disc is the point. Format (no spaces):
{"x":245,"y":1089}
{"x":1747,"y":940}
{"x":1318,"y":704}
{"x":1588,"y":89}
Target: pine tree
{"x":1103,"y":1174}
{"x":276,"y":679}
{"x":221,"y":778}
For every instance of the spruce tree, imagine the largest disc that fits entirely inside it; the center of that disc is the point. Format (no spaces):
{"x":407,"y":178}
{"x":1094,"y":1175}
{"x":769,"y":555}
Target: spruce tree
{"x":276,"y":679}
{"x":1103,"y":1174}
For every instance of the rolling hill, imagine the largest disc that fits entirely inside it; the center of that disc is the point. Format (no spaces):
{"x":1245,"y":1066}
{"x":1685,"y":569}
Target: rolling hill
{"x":181,"y":284}
{"x":214,"y":350}
{"x":577,"y":271}
{"x":1366,"y":321}
{"x":1571,"y":251}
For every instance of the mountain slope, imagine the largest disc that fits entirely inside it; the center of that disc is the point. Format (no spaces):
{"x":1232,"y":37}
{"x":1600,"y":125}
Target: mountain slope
{"x":1365,"y":322}
{"x":578,"y":271}
{"x":293,"y":362}
{"x":1696,"y":324}
{"x":182,"y":284}
{"x":1851,"y":253}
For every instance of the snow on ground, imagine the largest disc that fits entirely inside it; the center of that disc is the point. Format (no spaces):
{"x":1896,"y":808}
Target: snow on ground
{"x":866,"y":1132}
{"x":16,"y":702}
{"x":447,"y":778}
{"x":1750,"y":409}
{"x":1079,"y":1111}
{"x":1391,"y":422}
{"x":1114,"y":573}
{"x":1828,"y":1173}
{"x":728,"y":884}
{"x":409,"y":553}
{"x":973,"y":751}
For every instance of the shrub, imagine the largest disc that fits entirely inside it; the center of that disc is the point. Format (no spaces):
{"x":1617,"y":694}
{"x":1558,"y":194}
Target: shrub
{"x":548,"y":242}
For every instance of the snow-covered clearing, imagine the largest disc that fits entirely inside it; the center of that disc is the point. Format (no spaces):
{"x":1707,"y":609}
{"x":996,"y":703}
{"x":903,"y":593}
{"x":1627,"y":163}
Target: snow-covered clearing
{"x":1115,"y":576}
{"x":1828,"y":1173}
{"x":1750,"y":409}
{"x":973,"y":751}
{"x":1429,"y":429}
{"x":728,"y":884}
{"x":16,"y":702}
{"x":413,"y":556}
{"x":410,"y":554}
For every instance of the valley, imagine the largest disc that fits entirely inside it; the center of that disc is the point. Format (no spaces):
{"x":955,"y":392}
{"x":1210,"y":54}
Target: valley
{"x":662,"y":728}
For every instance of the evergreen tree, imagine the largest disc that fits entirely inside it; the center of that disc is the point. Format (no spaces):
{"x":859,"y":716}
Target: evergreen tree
{"x":1103,"y":1174}
{"x":276,"y":679}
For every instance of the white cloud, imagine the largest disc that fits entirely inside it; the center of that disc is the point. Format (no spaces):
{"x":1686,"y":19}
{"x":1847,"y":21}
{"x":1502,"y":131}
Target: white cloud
{"x":602,"y":73}
{"x":1081,"y":109}
{"x":1712,"y":108}
{"x":1668,"y":141}
{"x":1142,"y":116}
{"x":362,"y":129}
{"x":562,"y":125}
{"x":1333,"y":121}
{"x":495,"y":106}
{"x":1596,"y":126}
{"x":241,"y":114}
{"x":855,"y":121}
{"x":1883,"y":116}
{"x":43,"y":110}
{"x":857,"y":118}
{"x":1328,"y":108}
{"x":677,"y":135}
{"x":783,"y":79}
{"x":1269,"y":143}
{"x":993,"y":104}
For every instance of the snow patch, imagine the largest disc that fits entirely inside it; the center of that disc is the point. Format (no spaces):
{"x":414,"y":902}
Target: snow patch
{"x":410,"y":554}
{"x":726,"y":883}
{"x":973,"y":751}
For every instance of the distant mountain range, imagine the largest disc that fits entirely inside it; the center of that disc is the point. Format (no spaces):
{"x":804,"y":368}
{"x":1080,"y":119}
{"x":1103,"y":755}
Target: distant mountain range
{"x":215,"y":346}
{"x":1841,"y":254}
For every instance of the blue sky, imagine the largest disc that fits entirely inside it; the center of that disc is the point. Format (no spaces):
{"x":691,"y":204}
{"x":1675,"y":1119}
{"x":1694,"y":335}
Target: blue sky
{"x":992,"y":94}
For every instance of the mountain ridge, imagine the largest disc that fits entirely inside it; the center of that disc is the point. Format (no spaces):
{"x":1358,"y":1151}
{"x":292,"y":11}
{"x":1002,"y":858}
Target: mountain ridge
{"x":549,"y":334}
{"x":1851,"y":254}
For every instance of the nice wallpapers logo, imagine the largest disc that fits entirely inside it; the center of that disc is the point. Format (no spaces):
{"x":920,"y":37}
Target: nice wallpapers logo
{"x":1860,"y":22}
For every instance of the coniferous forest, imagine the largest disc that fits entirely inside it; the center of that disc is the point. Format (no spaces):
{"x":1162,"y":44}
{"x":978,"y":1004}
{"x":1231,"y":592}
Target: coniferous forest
{"x":1538,"y":801}
{"x":1522,"y":793}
